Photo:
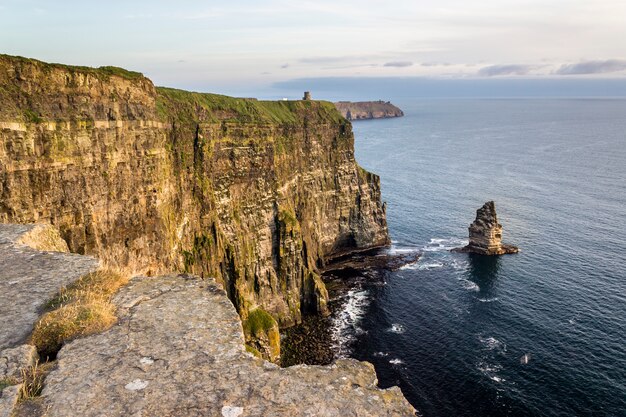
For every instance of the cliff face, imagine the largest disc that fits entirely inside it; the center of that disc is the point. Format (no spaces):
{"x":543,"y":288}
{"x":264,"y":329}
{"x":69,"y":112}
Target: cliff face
{"x":257,"y":194}
{"x":362,"y":110}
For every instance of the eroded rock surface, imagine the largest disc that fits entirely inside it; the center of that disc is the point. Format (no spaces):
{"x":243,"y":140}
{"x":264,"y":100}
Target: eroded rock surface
{"x":178,"y":351}
{"x":485,"y":234}
{"x":29,"y":278}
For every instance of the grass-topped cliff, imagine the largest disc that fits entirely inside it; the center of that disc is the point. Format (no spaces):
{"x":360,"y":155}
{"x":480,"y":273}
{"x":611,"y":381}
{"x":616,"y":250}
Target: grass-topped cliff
{"x":258,"y":194}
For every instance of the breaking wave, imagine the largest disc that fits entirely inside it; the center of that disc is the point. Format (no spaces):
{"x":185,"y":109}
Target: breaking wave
{"x":345,"y":325}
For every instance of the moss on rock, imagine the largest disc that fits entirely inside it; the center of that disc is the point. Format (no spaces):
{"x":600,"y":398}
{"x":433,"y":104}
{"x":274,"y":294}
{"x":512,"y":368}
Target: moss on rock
{"x":261,"y":331}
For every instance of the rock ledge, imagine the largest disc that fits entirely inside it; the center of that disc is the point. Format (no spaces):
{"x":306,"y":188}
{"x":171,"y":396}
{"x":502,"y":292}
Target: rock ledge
{"x":178,"y":350}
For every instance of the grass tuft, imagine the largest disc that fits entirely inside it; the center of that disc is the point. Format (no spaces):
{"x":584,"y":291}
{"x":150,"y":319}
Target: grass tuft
{"x":33,"y":379}
{"x":80,"y":309}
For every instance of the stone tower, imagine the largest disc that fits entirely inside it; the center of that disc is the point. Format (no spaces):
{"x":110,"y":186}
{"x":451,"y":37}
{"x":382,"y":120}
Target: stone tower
{"x":307,"y":95}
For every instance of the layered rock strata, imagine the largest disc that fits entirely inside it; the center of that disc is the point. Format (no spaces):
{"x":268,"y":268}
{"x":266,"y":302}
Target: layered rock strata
{"x":364,"y":110}
{"x":258,"y":194}
{"x":485,"y":234}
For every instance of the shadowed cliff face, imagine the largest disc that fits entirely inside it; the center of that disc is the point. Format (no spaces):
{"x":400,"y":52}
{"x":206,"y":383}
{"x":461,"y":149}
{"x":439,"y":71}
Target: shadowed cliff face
{"x":257,"y":194}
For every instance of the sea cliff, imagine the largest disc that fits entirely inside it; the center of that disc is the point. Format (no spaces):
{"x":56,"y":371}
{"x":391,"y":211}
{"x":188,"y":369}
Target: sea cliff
{"x":363,"y":110}
{"x":259,"y":195}
{"x":176,"y":348}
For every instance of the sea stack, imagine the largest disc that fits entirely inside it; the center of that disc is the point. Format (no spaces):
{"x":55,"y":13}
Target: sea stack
{"x":485,"y":234}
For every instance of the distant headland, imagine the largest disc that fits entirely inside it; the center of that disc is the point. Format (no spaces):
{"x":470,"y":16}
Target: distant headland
{"x":363,"y":110}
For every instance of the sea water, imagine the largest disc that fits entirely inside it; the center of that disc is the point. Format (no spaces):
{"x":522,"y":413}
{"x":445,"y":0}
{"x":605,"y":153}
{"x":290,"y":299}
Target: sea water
{"x":539,"y":333}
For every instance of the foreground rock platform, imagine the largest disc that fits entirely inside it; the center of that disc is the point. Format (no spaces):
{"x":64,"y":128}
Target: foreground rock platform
{"x":29,"y":277}
{"x":485,"y":234}
{"x":178,"y":350}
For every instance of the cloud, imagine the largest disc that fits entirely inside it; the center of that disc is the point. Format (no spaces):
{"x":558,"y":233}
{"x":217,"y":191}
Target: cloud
{"x":592,"y":67}
{"x":496,"y":70}
{"x":284,"y":66}
{"x":326,"y":60}
{"x":435,"y":64}
{"x":398,"y":64}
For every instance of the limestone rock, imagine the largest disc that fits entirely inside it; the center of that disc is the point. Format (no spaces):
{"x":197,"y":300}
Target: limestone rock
{"x":178,"y":350}
{"x":257,"y":194}
{"x":8,"y":399}
{"x":14,"y":360}
{"x":28,"y":279}
{"x":485,"y":234}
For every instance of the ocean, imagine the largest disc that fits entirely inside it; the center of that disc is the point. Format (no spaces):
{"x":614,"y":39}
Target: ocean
{"x":451,"y":329}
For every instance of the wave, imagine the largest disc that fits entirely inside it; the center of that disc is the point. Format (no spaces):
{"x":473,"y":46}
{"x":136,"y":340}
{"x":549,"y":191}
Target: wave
{"x":396,"y":361}
{"x":345,"y":325}
{"x":396,"y":250}
{"x":490,"y":371}
{"x":396,"y":328}
{"x":422,"y":266}
{"x":469,"y":285}
{"x":491,"y":343}
{"x":440,"y":245}
{"x":488,"y":300}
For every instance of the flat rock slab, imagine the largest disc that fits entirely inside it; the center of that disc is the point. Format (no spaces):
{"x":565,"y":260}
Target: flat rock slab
{"x":178,"y":350}
{"x":28,"y":279}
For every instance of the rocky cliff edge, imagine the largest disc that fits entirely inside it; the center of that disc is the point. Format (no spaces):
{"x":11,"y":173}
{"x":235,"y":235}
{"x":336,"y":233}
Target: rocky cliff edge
{"x":177,"y":350}
{"x":258,"y":194}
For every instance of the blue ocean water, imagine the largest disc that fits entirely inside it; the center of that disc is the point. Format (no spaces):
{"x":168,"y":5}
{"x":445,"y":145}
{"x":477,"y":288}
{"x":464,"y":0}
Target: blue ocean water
{"x":451,"y":329}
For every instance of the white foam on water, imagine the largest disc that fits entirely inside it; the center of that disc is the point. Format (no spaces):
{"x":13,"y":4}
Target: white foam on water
{"x":440,"y":245}
{"x":422,"y":266}
{"x":459,"y":265}
{"x":345,"y":325}
{"x":396,"y":250}
{"x":490,"y":371}
{"x":396,"y":328}
{"x":470,"y":285}
{"x":492,"y":343}
{"x":396,"y":361}
{"x":488,"y":300}
{"x":381,"y":354}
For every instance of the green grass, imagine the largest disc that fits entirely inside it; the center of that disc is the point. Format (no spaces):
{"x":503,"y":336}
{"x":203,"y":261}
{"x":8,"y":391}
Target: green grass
{"x":259,"y":321}
{"x":186,"y":105}
{"x":101,"y":72}
{"x":254,"y":351}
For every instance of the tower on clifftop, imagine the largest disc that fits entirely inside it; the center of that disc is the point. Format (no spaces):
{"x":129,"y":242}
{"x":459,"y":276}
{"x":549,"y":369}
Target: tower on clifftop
{"x":307,"y":95}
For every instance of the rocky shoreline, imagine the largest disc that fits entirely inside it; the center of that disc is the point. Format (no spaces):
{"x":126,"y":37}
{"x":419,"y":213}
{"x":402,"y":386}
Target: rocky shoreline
{"x":311,"y":342}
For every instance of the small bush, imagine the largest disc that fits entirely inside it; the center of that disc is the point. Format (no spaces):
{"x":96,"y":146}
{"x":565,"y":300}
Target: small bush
{"x":80,"y":309}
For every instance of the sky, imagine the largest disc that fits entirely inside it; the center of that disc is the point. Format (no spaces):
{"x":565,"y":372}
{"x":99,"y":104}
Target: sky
{"x":245,"y":46}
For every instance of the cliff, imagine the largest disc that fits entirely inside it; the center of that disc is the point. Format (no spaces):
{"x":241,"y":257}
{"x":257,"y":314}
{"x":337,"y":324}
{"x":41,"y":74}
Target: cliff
{"x":258,"y":194}
{"x":177,"y":350}
{"x":368,"y":110}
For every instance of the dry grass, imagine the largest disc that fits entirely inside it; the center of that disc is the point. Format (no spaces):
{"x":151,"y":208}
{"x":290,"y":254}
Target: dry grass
{"x":32,"y":380}
{"x":80,"y":309}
